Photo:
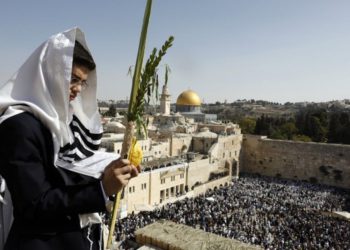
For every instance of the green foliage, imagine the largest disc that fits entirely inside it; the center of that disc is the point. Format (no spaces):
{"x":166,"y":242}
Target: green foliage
{"x":310,"y":124}
{"x":339,"y":128}
{"x":266,"y":125}
{"x":313,"y":122}
{"x":303,"y":138}
{"x":324,"y":123}
{"x":279,"y":128}
{"x":111,"y":111}
{"x":247,"y":125}
{"x":278,"y":135}
{"x":288,"y":129}
{"x":166,"y":77}
{"x":148,"y":86}
{"x":318,"y":131}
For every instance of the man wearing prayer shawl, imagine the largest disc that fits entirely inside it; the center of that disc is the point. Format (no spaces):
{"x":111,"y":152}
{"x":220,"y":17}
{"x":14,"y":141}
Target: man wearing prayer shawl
{"x":50,"y":132}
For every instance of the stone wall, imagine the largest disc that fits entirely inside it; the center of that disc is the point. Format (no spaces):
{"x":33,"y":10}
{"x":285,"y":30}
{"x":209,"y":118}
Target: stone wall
{"x":138,"y":192}
{"x":203,"y":144}
{"x":160,"y":150}
{"x":154,"y":187}
{"x":169,"y":235}
{"x":229,"y":148}
{"x":180,"y":144}
{"x":315,"y":162}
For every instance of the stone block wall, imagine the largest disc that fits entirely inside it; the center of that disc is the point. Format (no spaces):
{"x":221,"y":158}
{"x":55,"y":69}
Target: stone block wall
{"x":315,"y":162}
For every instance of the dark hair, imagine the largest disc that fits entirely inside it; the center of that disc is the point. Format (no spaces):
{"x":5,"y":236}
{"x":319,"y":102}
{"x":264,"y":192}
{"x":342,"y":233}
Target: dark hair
{"x":82,"y":57}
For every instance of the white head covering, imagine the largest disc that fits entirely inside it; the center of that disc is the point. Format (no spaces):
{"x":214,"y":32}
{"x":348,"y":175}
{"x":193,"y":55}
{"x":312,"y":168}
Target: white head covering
{"x":41,"y":86}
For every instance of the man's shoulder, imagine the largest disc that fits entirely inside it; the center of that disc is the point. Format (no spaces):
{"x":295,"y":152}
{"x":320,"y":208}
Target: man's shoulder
{"x":21,"y":123}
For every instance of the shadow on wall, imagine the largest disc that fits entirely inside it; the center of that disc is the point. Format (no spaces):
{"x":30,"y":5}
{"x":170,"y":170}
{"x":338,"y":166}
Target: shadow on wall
{"x":330,"y":170}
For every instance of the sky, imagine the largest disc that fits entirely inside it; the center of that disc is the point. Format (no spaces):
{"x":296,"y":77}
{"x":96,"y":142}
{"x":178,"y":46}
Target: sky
{"x":224,"y":50}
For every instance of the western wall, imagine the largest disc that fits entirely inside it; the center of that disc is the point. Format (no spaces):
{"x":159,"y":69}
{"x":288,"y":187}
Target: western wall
{"x":314,"y":162}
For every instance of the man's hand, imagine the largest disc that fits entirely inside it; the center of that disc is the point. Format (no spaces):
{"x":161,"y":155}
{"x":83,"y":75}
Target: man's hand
{"x":117,"y":175}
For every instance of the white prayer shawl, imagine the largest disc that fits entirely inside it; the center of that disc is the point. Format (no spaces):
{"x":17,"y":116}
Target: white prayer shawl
{"x":41,"y":87}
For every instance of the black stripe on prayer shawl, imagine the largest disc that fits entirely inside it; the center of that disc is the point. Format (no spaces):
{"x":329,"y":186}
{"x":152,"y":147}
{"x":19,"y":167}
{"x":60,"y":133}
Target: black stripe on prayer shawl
{"x":70,"y":158}
{"x":66,"y":159}
{"x":82,"y":136}
{"x":94,"y":137}
{"x":76,"y":145}
{"x":65,"y":148}
{"x":84,"y":143}
{"x":82,"y":149}
{"x":74,"y":156}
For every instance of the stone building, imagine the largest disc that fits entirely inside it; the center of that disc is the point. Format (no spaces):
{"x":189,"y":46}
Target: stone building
{"x":188,"y":104}
{"x":198,"y":161}
{"x":203,"y":140}
{"x":184,"y":155}
{"x":165,"y":101}
{"x":188,"y":101}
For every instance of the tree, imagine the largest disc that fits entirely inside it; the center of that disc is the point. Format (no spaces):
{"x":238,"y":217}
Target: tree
{"x":334,"y":128}
{"x":277,"y":134}
{"x":247,"y":125}
{"x":111,"y":111}
{"x":264,"y":126}
{"x":339,"y":128}
{"x":313,"y":122}
{"x":317,"y":131}
{"x":288,"y":130}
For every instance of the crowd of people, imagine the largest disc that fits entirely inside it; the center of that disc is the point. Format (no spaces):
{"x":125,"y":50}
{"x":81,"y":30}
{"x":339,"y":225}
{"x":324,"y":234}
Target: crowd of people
{"x":273,"y":213}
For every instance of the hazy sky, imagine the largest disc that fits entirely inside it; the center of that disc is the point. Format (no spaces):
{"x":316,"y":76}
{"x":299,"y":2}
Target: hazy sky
{"x":297,"y":50}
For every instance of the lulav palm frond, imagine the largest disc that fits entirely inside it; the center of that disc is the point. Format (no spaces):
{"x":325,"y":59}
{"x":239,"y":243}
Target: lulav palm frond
{"x":148,"y":86}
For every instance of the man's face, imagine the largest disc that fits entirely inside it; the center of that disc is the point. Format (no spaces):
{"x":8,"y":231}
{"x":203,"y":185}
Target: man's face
{"x":78,"y":80}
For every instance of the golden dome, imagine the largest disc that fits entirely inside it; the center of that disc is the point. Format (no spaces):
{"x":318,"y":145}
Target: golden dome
{"x":188,"y":97}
